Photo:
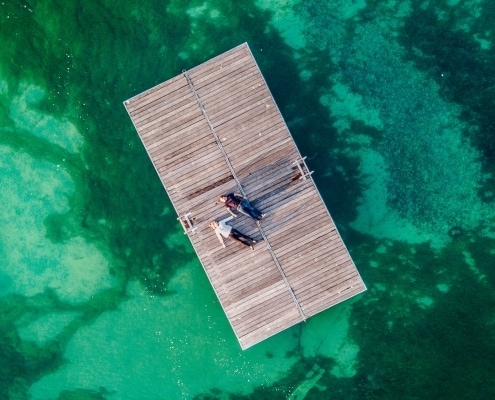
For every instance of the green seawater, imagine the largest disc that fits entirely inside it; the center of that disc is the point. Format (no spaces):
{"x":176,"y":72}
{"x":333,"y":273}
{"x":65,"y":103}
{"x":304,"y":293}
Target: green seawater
{"x":101,"y":294}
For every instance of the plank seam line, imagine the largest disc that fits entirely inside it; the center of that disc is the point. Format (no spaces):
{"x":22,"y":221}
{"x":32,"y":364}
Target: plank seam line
{"x":239,"y":186}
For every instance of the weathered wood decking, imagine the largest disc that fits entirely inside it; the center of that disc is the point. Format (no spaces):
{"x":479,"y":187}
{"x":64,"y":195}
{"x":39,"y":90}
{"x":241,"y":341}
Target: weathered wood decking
{"x":216,"y":129}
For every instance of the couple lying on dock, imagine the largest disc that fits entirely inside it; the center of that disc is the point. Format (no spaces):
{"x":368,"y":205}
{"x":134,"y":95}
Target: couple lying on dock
{"x":239,"y":203}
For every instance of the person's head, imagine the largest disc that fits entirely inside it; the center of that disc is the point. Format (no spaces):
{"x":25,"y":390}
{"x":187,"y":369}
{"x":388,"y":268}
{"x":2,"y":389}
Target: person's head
{"x":214,"y":224}
{"x":223,"y":199}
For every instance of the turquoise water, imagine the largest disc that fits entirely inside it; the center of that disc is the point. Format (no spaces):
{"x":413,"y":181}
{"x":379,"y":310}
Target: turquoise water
{"x":101,"y":294}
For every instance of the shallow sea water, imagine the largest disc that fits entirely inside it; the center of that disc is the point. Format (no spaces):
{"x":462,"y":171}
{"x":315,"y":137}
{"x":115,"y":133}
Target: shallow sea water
{"x":101,"y":294}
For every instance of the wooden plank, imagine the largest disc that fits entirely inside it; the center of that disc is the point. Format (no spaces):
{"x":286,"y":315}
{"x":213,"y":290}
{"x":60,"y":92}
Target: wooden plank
{"x":175,"y":141}
{"x":234,"y":119}
{"x":257,"y":261}
{"x":195,"y":163}
{"x":290,"y":212}
{"x":242,"y":307}
{"x":186,"y":183}
{"x":231,"y":84}
{"x":293,"y":241}
{"x":265,"y":136}
{"x":183,"y":116}
{"x":174,"y":130}
{"x":308,"y":287}
{"x":307,"y":231}
{"x":168,"y":158}
{"x":137,"y":103}
{"x":236,"y":110}
{"x":294,"y":237}
{"x":310,"y":255}
{"x":232,"y":105}
{"x":188,"y":160}
{"x":226,"y":256}
{"x":305,"y":236}
{"x":301,"y":237}
{"x":247,"y":167}
{"x":250,"y":156}
{"x":264,"y":311}
{"x":273,"y":199}
{"x":174,"y":135}
{"x":255,"y":288}
{"x":166,"y":110}
{"x":248,"y":120}
{"x":267,"y":314}
{"x":235,"y":92}
{"x":268,"y":127}
{"x":191,"y":192}
{"x":164,"y":106}
{"x":261,"y":194}
{"x":258,"y":184}
{"x":205,"y":201}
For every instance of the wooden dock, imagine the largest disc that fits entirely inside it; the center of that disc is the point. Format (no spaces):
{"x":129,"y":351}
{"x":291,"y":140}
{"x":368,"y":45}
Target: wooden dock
{"x":216,"y":129}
